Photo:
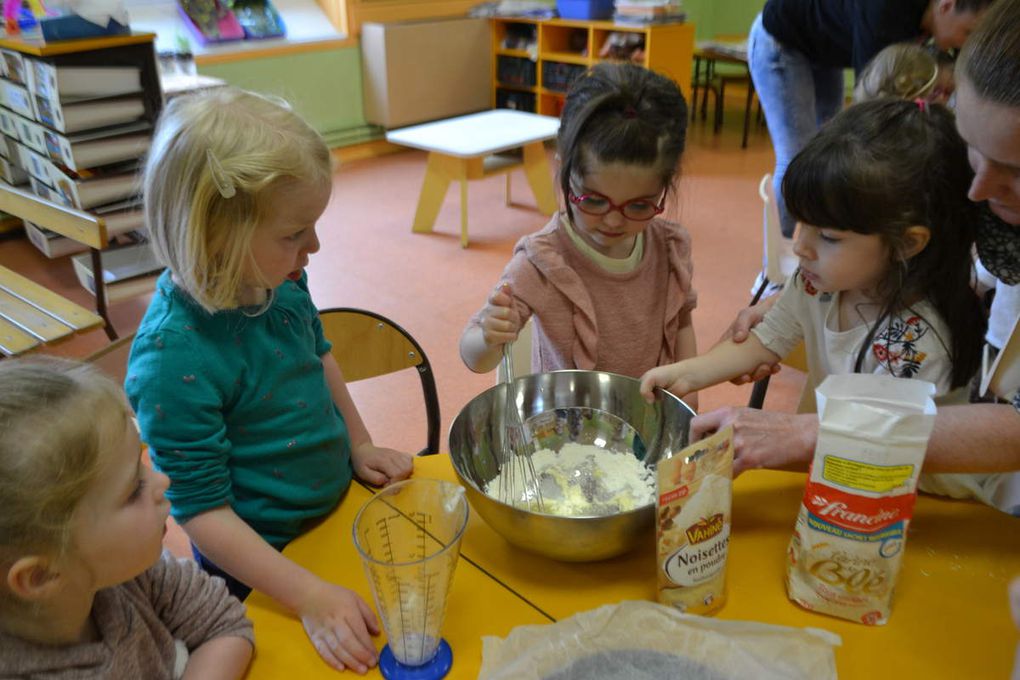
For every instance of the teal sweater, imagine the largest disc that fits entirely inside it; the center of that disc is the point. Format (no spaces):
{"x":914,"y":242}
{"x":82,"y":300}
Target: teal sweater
{"x":236,"y":409}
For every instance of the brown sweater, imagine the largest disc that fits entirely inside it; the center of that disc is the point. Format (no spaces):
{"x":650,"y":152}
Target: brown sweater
{"x":138,"y":622}
{"x":593,"y":319}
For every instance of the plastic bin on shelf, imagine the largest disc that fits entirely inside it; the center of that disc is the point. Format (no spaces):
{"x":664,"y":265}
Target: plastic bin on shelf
{"x":585,"y":9}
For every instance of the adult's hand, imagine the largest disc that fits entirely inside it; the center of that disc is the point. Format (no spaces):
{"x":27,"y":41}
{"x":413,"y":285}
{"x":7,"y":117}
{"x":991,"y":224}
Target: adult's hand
{"x":740,"y":329}
{"x":763,"y":439}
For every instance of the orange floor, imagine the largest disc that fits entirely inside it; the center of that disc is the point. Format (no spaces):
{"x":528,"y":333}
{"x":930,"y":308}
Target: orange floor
{"x":430,"y":285}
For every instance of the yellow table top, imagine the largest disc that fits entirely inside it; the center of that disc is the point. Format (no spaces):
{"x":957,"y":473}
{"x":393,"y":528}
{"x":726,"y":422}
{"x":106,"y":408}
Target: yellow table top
{"x":950,"y":618}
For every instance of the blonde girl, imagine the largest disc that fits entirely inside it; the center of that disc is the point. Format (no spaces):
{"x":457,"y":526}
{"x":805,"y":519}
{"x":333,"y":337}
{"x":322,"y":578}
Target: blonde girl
{"x":237,"y":394}
{"x":84,"y":591}
{"x":607,"y":281}
{"x":906,"y":71}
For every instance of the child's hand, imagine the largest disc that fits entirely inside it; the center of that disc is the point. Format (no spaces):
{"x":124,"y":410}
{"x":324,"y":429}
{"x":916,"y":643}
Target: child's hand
{"x":340,"y":625}
{"x":499,"y":322}
{"x":381,"y":466}
{"x":673,"y":377}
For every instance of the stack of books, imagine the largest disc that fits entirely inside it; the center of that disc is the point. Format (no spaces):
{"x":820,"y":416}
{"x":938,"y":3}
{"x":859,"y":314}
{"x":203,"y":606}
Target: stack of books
{"x":74,"y":132}
{"x":648,"y":12}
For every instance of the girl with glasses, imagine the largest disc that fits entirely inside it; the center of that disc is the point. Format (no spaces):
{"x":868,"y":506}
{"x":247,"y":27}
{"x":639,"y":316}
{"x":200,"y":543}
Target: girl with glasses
{"x":607,"y":281}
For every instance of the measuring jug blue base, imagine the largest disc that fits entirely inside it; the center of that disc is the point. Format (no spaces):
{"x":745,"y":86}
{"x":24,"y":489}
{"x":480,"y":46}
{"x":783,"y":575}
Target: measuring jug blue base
{"x":438,"y":667}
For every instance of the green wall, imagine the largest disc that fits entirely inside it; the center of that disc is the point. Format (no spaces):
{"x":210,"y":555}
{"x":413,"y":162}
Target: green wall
{"x":722,"y":17}
{"x":323,"y":86}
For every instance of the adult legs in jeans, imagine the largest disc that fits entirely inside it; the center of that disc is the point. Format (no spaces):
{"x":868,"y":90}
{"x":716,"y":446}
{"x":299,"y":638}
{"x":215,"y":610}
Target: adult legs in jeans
{"x":796,"y":96}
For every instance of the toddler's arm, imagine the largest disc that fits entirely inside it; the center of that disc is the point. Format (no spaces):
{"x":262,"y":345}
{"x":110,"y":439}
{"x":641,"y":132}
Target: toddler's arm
{"x":224,"y":657}
{"x":197,"y":610}
{"x":723,"y":362}
{"x":338,"y":622}
{"x":481,"y":345}
{"x":374,"y":464}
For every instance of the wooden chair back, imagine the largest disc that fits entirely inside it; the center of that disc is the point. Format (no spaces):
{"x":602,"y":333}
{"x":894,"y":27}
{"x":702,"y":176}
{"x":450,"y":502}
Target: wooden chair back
{"x":367,"y":345}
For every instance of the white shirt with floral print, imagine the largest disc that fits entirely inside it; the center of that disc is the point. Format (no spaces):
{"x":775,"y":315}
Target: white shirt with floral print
{"x":914,"y":344}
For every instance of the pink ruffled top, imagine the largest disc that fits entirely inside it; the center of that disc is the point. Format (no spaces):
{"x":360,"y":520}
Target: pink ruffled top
{"x":589,"y":318}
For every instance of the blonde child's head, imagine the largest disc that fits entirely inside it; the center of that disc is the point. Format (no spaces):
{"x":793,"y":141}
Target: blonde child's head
{"x":901,"y":70}
{"x":67,"y":448}
{"x":219,"y":163}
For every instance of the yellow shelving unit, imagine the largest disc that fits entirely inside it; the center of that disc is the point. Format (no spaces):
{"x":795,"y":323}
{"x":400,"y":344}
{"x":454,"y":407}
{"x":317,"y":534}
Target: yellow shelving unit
{"x":669,"y":49}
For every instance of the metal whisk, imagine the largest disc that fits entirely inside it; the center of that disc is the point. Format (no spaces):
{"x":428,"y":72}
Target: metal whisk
{"x":518,"y":483}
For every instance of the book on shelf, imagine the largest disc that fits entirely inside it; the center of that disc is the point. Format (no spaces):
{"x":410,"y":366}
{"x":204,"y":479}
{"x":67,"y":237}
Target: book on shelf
{"x":645,"y":12}
{"x":85,"y":150}
{"x":33,"y":163}
{"x":30,"y":133}
{"x":67,"y":83}
{"x":90,"y":188}
{"x":7,"y":148}
{"x":14,"y":66}
{"x":45,"y":191}
{"x":16,"y":98}
{"x":121,"y":218}
{"x":12,"y":173}
{"x":119,"y":265}
{"x":7,"y":125}
{"x":50,"y":243}
{"x":79,"y":115}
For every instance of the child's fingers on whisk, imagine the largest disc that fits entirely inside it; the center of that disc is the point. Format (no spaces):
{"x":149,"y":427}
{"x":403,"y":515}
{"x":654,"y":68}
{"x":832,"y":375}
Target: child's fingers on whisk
{"x":502,"y":296}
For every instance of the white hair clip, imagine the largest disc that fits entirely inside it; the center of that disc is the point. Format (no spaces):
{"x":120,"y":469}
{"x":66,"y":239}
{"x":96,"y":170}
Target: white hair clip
{"x":219,"y":175}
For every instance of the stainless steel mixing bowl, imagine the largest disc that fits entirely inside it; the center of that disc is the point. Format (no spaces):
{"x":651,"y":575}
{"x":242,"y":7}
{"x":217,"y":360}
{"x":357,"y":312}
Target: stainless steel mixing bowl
{"x":581,"y":406}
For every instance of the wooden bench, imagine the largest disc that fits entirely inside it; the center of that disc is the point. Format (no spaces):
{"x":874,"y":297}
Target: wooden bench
{"x":31,"y":315}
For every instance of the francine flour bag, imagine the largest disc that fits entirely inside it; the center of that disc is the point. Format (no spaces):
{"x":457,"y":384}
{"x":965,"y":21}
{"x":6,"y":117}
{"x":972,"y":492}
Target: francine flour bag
{"x":846,"y":549}
{"x":693,"y":524}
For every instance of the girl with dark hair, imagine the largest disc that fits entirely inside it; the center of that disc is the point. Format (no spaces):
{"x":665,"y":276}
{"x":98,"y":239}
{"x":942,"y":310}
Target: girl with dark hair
{"x":884,"y":244}
{"x":607,"y":281}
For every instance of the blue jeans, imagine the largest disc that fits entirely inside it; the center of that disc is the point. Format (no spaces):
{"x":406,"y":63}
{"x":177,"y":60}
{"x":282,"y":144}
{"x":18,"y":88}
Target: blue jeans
{"x":235,"y":587}
{"x":796,"y":96}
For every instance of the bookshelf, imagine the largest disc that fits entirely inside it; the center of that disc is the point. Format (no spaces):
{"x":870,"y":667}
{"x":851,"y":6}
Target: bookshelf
{"x":77,"y":116}
{"x":559,"y":49}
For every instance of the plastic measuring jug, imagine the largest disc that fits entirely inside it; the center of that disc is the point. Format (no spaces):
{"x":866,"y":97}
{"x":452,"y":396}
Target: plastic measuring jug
{"x":408,"y":536}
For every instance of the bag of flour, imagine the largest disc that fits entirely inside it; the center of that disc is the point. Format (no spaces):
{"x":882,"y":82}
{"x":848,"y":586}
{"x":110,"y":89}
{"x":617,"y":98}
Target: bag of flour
{"x":693,"y":527}
{"x":848,"y":542}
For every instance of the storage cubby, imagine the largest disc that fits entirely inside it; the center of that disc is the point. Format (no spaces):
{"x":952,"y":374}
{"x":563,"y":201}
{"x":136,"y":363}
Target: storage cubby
{"x":516,"y":72}
{"x":561,"y":49}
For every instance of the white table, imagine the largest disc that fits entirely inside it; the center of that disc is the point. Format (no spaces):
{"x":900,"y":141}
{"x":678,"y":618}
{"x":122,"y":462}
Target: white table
{"x":466,"y":148}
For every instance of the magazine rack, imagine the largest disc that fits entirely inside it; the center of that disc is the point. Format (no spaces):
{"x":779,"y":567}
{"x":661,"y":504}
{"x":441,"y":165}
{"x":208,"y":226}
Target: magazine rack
{"x":76,"y":117}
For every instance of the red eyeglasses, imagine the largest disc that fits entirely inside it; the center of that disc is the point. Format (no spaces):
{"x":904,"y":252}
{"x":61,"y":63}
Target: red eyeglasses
{"x":638,"y":210}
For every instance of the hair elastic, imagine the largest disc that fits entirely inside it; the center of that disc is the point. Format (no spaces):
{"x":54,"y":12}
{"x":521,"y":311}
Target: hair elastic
{"x":921,"y":104}
{"x":219,"y":175}
{"x":629,"y":112}
{"x":928,"y":85}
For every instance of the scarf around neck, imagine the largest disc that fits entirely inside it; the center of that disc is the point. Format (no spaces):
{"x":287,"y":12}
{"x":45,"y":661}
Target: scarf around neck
{"x":998,"y":246}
